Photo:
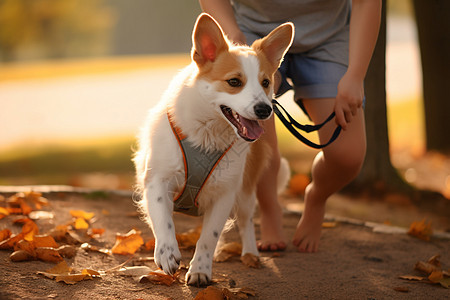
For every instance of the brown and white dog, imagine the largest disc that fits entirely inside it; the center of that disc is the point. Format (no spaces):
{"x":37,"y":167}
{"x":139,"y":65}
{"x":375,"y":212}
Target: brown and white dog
{"x":215,"y":104}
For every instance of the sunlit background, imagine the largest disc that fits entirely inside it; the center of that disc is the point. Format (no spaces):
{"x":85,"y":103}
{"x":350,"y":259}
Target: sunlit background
{"x":77,"y":77}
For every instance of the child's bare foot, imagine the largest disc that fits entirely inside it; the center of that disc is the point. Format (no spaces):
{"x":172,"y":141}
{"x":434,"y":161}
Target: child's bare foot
{"x":307,"y":234}
{"x":272,"y":238}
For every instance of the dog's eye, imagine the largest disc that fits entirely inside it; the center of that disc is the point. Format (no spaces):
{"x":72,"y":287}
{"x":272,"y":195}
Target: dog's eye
{"x":265,"y":83}
{"x":234,"y":82}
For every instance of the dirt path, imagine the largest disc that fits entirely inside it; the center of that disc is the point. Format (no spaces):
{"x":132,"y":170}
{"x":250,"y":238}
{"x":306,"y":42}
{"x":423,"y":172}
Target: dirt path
{"x":353,"y":261}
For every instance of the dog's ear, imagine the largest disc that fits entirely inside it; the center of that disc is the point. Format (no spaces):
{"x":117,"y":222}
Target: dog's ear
{"x":208,"y":40}
{"x":275,"y":45}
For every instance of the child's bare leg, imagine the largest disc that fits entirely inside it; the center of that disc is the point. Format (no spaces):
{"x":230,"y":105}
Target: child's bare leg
{"x":272,"y":238}
{"x":333,"y":168}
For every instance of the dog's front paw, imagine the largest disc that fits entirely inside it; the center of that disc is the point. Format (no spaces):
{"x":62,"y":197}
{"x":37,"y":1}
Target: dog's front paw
{"x":167,"y":257}
{"x":197,"y":279}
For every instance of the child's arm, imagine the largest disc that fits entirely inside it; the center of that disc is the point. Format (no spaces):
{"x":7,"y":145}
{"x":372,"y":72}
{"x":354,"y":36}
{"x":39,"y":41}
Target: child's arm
{"x":222,"y":11}
{"x":364,"y":27}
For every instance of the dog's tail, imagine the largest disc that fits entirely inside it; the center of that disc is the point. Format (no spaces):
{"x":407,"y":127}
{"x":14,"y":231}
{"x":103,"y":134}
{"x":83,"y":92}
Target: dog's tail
{"x":284,"y":175}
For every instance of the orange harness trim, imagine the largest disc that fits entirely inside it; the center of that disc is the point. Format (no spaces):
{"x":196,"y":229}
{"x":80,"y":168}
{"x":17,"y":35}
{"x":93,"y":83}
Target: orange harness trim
{"x":198,"y":167}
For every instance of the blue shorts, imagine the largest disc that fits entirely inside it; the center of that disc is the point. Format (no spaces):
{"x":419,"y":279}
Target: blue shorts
{"x":310,"y":78}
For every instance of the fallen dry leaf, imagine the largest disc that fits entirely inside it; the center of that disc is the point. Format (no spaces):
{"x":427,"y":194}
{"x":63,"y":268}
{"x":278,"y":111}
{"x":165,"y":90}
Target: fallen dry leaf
{"x":29,"y":228}
{"x":134,"y":271}
{"x":210,"y":293}
{"x":158,"y":277}
{"x":10,"y":242}
{"x":433,"y":271}
{"x":21,"y":255}
{"x":24,"y":200}
{"x":298,"y":184}
{"x":26,"y":246}
{"x":82,"y":214}
{"x":445,"y":282}
{"x":95,"y":232}
{"x":128,"y":243}
{"x":421,"y":230}
{"x":48,"y":254}
{"x":62,"y":234}
{"x":89,"y":247}
{"x":189,"y":239}
{"x":67,"y":251}
{"x":228,"y":250}
{"x":3,"y":212}
{"x":5,"y":234}
{"x":80,"y":223}
{"x":412,"y":277}
{"x":251,"y":260}
{"x":62,"y":272}
{"x":436,"y":276}
{"x":44,"y":241}
{"x":150,"y":245}
{"x":329,"y":224}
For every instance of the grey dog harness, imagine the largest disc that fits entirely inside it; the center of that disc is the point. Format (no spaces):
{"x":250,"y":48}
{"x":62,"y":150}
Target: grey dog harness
{"x":198,"y":167}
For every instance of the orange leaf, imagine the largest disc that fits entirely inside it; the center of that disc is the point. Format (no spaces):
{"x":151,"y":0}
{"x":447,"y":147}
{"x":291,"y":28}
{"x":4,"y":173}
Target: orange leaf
{"x":21,"y":255}
{"x":26,"y":209}
{"x":48,"y":254}
{"x":158,"y":278}
{"x":128,"y":243}
{"x":82,"y":214}
{"x":298,"y":184}
{"x":44,"y":241}
{"x":14,"y":210}
{"x":188,"y":239}
{"x":436,"y":276}
{"x":95,"y":232}
{"x":3,"y":212}
{"x":80,"y":223}
{"x":29,"y":229}
{"x":25,"y":246}
{"x":11,"y":242}
{"x":150,"y":245}
{"x":61,"y":268}
{"x":227,"y":251}
{"x":251,"y":260}
{"x":4,"y":234}
{"x":210,"y":293}
{"x":421,"y":230}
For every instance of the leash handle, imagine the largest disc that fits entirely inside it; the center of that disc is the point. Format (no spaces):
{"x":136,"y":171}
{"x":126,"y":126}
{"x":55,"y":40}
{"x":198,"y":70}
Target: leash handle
{"x":291,"y":124}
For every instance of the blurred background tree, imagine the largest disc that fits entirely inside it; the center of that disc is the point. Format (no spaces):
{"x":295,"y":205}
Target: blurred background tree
{"x":47,"y":29}
{"x":433,"y":24}
{"x":54,"y":29}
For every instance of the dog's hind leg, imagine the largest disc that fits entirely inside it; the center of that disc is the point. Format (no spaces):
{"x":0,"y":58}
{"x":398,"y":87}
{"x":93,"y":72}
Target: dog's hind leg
{"x":159,"y":208}
{"x":214,"y":219}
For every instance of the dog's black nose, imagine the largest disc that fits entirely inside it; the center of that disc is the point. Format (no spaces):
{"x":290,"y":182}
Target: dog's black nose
{"x":262,"y":110}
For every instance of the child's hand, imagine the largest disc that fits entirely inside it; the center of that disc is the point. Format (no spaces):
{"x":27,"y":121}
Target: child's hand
{"x":349,"y":99}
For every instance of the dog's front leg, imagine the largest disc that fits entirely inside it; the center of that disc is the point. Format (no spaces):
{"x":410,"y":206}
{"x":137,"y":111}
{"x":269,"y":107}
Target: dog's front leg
{"x":214,"y":219}
{"x":160,"y":208}
{"x":244,"y":214}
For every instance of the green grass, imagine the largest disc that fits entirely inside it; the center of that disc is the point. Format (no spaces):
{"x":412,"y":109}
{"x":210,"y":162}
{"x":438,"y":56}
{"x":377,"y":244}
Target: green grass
{"x":57,"y":164}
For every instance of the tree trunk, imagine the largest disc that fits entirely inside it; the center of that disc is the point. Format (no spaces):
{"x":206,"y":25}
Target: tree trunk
{"x":377,"y":176}
{"x":433,"y":24}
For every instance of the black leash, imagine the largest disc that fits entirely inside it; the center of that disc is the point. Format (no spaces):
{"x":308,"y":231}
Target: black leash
{"x":291,"y":124}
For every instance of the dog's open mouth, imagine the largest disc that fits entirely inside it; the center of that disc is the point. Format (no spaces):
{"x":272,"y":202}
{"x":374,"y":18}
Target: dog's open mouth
{"x":249,"y":130}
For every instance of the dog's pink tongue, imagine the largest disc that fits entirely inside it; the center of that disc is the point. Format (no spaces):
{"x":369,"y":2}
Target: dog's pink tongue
{"x":251,"y":129}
